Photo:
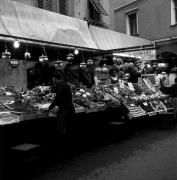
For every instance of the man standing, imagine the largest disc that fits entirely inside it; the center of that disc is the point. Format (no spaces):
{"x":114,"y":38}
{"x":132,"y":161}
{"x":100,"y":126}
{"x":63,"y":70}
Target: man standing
{"x":63,"y":100}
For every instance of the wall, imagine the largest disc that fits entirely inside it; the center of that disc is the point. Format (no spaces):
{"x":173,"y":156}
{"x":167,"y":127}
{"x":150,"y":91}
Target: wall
{"x":16,"y":77}
{"x":154,"y":19}
{"x":114,"y":4}
{"x":106,"y":19}
{"x":71,"y":8}
{"x":81,"y":10}
{"x":27,"y":2}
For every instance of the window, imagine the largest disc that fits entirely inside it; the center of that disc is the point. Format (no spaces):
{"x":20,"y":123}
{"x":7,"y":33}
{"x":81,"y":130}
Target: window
{"x":45,"y":4}
{"x":63,"y":7}
{"x":49,"y":5}
{"x":173,"y":12}
{"x":93,"y":13}
{"x":132,"y":23}
{"x":40,"y":4}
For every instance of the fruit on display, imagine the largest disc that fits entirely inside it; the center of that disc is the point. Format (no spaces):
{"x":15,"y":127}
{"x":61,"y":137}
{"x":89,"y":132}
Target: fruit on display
{"x":168,"y":104}
{"x":104,"y":69}
{"x":158,"y":105}
{"x":149,"y":84}
{"x":136,"y":110}
{"x":145,"y":88}
{"x":6,"y":55}
{"x":27,"y":55}
{"x":147,"y":107}
{"x":10,"y":119}
{"x":137,"y":88}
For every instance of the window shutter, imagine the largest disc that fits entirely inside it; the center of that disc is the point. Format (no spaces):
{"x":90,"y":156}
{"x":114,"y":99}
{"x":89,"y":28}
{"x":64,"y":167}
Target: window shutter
{"x":40,"y":4}
{"x":48,"y":5}
{"x":63,"y":6}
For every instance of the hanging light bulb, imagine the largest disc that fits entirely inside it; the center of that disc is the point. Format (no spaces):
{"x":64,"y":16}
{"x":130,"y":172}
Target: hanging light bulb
{"x":58,"y":63}
{"x":83,"y":65}
{"x":6,"y":55}
{"x":16,"y":44}
{"x":41,"y":58}
{"x":27,"y":55}
{"x":104,"y":69}
{"x":98,"y":69}
{"x":76,"y":51}
{"x":90,"y":62}
{"x":70,"y":57}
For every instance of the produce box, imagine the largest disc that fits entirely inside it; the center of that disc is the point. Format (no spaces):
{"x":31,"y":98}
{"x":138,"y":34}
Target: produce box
{"x":167,"y":103}
{"x":91,"y":110}
{"x":6,"y":98}
{"x":79,"y":110}
{"x":136,"y":110}
{"x":159,"y":106}
{"x":150,"y":110}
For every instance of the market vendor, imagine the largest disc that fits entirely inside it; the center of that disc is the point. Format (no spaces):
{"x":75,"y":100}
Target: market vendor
{"x":157,"y":79}
{"x":63,"y":100}
{"x":113,"y":76}
{"x":102,"y":76}
{"x":87,"y":76}
{"x":172,"y":91}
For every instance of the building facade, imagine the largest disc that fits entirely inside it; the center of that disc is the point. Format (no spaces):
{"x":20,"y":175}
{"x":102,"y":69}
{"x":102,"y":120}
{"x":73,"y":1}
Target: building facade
{"x":154,"y":20}
{"x":96,"y":12}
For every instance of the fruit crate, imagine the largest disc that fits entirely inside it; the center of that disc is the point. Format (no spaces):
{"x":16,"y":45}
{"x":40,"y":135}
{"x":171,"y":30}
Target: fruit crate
{"x":167,"y":104}
{"x":136,"y":110}
{"x":6,"y":98}
{"x":150,"y":110}
{"x":80,"y":110}
{"x":159,"y":106}
{"x":91,"y":110}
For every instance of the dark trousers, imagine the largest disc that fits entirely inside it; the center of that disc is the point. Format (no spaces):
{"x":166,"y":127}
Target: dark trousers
{"x":65,"y":120}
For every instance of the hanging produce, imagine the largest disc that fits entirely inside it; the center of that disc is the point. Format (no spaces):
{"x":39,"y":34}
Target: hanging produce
{"x":6,"y":55}
{"x":70,"y":57}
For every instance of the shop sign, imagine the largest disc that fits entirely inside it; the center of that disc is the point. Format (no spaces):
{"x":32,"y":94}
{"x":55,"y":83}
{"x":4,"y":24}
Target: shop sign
{"x":14,"y":63}
{"x":149,"y":54}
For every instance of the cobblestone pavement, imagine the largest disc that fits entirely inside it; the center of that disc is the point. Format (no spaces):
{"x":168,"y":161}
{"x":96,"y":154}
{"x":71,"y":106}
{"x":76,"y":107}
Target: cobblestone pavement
{"x":144,"y":154}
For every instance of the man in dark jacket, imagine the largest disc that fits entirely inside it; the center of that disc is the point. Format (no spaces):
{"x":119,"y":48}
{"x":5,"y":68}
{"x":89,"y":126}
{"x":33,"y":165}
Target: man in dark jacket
{"x":63,"y":100}
{"x":172,"y":91}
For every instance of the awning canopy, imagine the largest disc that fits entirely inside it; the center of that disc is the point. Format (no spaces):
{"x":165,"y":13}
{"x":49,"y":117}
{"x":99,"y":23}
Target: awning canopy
{"x":107,"y":39}
{"x":19,"y":20}
{"x":98,"y":7}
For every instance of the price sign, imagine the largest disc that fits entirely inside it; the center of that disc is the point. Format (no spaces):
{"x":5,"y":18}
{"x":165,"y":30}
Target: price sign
{"x":145,"y":104}
{"x":130,"y":85}
{"x":116,"y":90}
{"x":121,"y":84}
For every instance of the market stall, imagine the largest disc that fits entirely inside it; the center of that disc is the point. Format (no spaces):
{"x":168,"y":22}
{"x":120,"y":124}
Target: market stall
{"x":97,"y":93}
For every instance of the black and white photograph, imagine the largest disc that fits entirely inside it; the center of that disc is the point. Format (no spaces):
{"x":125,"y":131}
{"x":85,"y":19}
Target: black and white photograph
{"x":88,"y":89}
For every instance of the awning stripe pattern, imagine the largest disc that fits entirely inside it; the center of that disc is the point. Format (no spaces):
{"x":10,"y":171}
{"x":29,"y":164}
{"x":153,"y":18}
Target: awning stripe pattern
{"x":20,"y":20}
{"x":98,"y":7}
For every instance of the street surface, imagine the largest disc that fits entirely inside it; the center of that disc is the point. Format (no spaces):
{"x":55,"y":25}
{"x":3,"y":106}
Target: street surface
{"x":123,"y":153}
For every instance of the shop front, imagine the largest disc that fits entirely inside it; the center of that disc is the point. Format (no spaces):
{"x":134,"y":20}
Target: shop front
{"x":104,"y":83}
